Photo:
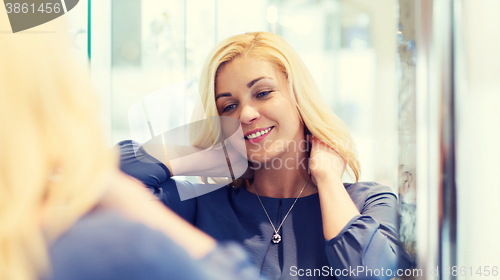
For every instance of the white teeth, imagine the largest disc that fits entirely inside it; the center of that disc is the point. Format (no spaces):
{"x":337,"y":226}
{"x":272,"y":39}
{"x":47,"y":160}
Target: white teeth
{"x":259,"y":133}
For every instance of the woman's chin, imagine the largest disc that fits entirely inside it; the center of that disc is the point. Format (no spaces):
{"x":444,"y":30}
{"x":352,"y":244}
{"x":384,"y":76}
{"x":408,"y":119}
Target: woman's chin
{"x":265,"y":158}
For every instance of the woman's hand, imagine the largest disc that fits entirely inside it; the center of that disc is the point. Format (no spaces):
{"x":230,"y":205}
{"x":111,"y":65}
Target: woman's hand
{"x":195,"y":161}
{"x":325,"y":162}
{"x":126,"y":195}
{"x":174,"y":149}
{"x":327,"y":168}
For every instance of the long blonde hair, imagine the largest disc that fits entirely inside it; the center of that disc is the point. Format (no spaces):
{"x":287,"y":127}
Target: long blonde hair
{"x":317,"y":117}
{"x":53,"y":158}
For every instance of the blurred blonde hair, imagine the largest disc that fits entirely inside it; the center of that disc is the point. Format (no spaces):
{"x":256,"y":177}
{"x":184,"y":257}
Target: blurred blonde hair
{"x":315,"y":114}
{"x":54,"y":162}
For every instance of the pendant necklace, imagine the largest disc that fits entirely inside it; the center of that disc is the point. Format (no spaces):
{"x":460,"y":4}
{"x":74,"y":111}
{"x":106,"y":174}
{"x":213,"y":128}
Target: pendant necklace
{"x":276,"y":237}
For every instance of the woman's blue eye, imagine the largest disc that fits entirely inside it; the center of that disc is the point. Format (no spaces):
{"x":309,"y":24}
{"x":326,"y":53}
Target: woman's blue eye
{"x":228,"y":108}
{"x":264,"y":93}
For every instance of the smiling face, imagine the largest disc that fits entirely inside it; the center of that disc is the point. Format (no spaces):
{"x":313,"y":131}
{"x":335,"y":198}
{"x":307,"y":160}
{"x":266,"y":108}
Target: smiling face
{"x":256,"y":93}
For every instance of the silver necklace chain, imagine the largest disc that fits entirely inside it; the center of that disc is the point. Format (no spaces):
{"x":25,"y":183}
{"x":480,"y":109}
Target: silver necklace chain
{"x":276,"y":237}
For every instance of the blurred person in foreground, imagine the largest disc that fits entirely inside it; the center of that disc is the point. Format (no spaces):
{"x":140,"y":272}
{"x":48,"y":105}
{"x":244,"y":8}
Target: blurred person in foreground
{"x":61,"y":214}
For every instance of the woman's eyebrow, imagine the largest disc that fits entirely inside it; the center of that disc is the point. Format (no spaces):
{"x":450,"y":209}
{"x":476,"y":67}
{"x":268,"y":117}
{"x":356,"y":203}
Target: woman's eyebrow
{"x":226,"y":94}
{"x":249,"y":85}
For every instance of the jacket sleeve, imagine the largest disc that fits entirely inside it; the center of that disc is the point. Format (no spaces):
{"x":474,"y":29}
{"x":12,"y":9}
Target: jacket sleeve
{"x":368,"y":247}
{"x":136,"y":162}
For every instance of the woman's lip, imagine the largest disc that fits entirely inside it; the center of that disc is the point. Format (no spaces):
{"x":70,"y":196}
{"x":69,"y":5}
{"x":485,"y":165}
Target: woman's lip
{"x":260,"y":138}
{"x":256,"y":130}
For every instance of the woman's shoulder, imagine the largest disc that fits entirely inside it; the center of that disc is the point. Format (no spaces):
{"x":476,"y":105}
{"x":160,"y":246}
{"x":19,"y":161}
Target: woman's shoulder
{"x":103,"y":244}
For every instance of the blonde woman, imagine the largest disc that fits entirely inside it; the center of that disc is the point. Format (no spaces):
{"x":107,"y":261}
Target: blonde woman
{"x":66,"y":211}
{"x":293,"y":214}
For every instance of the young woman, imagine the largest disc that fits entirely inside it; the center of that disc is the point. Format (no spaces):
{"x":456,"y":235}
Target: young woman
{"x":293,"y":214}
{"x":66,"y":211}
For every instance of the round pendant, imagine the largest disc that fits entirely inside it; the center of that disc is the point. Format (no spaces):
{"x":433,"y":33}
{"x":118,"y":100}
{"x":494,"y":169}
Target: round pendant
{"x":276,"y":238}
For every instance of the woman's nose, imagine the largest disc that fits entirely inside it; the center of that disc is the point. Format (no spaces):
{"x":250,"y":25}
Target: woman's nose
{"x":249,"y":114}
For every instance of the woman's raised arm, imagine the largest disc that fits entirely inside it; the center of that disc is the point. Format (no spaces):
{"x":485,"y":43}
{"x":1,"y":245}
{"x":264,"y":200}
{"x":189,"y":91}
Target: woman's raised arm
{"x":136,"y":203}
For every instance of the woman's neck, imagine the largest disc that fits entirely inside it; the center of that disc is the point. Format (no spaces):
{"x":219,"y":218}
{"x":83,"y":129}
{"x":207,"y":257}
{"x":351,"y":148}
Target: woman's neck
{"x":286,"y":181}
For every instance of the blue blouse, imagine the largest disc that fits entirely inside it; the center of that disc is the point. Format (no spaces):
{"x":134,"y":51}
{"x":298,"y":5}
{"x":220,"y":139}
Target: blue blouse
{"x":104,"y":245}
{"x":369,"y":242}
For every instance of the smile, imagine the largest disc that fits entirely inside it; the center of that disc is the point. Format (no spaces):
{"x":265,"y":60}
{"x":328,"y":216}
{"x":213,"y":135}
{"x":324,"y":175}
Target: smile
{"x":259,"y":134}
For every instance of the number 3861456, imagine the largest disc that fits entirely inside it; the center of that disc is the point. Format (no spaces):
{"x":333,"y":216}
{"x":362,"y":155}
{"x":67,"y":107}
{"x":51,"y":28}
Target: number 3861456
{"x":25,"y":8}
